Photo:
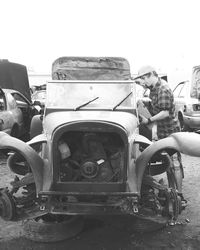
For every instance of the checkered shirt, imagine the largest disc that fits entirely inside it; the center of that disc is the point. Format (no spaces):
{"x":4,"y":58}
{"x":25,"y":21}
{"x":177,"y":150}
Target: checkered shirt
{"x":162,"y":99}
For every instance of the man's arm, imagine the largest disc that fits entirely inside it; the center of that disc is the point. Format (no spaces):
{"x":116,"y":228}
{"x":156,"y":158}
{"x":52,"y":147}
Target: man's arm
{"x":160,"y":116}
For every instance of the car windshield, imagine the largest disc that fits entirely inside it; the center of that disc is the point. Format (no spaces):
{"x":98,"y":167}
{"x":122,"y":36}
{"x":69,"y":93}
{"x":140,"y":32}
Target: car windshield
{"x":195,"y":88}
{"x":73,"y":94}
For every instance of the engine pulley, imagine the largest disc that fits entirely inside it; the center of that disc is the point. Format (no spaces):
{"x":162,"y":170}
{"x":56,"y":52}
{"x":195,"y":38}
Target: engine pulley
{"x":89,"y":169}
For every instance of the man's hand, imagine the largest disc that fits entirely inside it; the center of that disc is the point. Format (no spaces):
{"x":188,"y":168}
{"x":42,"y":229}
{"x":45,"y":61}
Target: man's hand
{"x":143,"y":120}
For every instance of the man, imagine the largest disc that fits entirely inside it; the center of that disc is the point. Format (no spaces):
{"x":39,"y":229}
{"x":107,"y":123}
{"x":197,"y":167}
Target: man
{"x":163,"y":113}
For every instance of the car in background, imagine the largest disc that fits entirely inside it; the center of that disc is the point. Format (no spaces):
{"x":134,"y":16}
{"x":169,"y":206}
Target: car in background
{"x":187,"y":104}
{"x":16,"y":112}
{"x":39,"y":98}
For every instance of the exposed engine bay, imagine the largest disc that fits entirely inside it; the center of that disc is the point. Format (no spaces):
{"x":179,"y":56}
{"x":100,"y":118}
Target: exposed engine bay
{"x":91,"y":157}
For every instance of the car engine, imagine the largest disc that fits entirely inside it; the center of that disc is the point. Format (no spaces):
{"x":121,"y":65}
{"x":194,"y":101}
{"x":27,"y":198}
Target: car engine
{"x":91,"y":157}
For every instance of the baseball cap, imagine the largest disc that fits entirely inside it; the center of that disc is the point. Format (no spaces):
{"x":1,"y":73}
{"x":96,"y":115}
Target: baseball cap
{"x":144,"y":70}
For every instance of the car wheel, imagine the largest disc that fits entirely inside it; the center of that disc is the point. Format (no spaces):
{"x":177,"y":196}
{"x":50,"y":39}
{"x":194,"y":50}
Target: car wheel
{"x":183,"y":126}
{"x":148,"y":224}
{"x":52,"y":228}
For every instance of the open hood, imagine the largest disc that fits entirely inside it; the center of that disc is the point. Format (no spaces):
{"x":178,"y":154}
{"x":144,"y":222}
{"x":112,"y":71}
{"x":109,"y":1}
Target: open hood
{"x":14,"y":76}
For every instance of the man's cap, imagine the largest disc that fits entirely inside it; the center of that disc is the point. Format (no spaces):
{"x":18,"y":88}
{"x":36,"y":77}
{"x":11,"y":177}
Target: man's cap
{"x":144,"y":70}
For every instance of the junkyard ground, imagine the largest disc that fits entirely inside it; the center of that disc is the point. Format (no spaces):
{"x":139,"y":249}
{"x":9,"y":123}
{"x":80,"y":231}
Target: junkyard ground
{"x":106,"y":234}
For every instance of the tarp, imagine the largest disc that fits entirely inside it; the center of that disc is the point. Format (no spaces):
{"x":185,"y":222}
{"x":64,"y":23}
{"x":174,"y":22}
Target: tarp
{"x":91,"y":68}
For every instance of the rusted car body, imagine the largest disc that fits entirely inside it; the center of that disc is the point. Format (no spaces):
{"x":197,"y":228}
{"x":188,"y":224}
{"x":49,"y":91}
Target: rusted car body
{"x":16,"y":112}
{"x":88,"y":157}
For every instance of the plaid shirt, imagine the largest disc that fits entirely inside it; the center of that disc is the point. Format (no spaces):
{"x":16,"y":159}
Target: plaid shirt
{"x":162,"y":99}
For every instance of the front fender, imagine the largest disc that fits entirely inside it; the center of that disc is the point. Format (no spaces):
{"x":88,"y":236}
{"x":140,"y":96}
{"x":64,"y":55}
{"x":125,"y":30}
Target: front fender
{"x":184,"y":142}
{"x":132,"y":184}
{"x":142,"y":139}
{"x":34,"y":160}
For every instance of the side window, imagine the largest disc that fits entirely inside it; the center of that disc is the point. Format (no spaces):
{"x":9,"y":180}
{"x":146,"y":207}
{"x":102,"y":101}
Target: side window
{"x":11,"y":102}
{"x":183,"y":90}
{"x":2,"y":102}
{"x":178,"y":89}
{"x":19,"y":98}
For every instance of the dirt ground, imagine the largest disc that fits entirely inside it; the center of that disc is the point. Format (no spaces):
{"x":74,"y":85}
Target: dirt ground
{"x":112,"y":234}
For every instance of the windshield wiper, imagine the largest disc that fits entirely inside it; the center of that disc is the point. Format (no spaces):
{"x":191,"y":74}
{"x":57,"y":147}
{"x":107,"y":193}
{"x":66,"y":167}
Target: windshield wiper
{"x":86,"y":103}
{"x":121,"y":101}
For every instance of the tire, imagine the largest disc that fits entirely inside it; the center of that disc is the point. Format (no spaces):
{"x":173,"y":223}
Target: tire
{"x":40,"y":230}
{"x":183,"y":126}
{"x":147,"y":225}
{"x":36,"y":126}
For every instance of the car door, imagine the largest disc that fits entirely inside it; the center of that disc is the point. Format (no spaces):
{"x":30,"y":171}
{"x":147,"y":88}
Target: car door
{"x":26,"y":108}
{"x":6,"y":119}
{"x":180,"y":97}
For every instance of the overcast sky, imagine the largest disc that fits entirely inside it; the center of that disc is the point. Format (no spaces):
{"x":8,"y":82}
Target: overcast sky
{"x":163,"y":33}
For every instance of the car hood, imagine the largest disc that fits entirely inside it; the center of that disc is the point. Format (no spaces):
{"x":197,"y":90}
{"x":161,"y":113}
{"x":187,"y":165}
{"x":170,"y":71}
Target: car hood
{"x":126,"y":120}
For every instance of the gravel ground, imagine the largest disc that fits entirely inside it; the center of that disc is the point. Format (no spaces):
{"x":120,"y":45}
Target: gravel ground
{"x":101,"y":233}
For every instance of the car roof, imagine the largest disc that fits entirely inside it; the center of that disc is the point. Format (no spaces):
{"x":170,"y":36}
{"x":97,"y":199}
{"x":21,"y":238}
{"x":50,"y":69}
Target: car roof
{"x":11,"y":91}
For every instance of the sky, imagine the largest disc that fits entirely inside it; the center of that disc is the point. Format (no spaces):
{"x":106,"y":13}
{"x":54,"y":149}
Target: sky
{"x":162,"y":33}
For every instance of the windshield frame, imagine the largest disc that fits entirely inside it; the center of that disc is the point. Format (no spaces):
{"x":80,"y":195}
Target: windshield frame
{"x":87,"y":107}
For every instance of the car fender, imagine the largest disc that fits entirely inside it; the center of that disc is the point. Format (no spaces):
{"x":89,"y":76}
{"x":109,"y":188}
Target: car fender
{"x":136,"y":139}
{"x":33,"y":159}
{"x":184,"y":142}
{"x":142,"y":139}
{"x":8,"y":121}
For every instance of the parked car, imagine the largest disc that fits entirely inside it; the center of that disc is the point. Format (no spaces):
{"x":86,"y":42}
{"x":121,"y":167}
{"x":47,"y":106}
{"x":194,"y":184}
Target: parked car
{"x":16,"y":112}
{"x":39,"y":98}
{"x":87,"y":157}
{"x":187,"y":106}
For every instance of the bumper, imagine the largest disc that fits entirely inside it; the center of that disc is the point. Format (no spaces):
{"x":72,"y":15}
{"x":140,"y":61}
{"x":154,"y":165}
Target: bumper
{"x":192,"y":121}
{"x":89,"y":204}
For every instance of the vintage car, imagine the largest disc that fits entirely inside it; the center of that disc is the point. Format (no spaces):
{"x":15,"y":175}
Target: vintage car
{"x":16,"y":112}
{"x":86,"y":157}
{"x":187,"y":102}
